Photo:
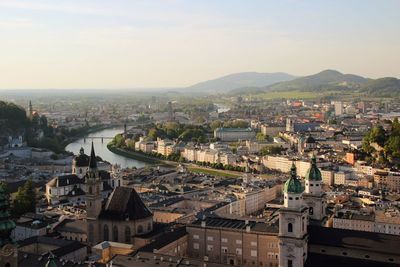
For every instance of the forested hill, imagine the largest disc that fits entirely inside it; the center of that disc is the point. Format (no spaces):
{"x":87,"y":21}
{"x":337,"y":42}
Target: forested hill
{"x":12,"y":118}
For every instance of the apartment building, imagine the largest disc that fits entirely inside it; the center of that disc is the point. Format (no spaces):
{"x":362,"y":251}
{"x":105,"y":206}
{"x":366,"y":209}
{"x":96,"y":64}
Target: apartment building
{"x":165,"y":147}
{"x":378,"y":221}
{"x":388,"y":180}
{"x":234,"y":242}
{"x":234,"y":134}
{"x":327,"y":177}
{"x":272,"y":130}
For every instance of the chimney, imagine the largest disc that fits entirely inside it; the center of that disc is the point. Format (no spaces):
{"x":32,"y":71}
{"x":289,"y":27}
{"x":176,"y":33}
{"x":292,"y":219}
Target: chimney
{"x":203,"y":224}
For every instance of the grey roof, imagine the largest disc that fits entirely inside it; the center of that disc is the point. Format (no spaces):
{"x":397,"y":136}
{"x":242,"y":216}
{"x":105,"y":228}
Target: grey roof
{"x":236,"y":224}
{"x":72,"y":226}
{"x":82,"y":160}
{"x":64,"y":180}
{"x":367,"y":241}
{"x":124,"y":203}
{"x":315,"y":259}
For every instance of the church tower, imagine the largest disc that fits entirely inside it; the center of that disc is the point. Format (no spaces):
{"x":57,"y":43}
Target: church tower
{"x":93,"y":199}
{"x":293,"y":219}
{"x":314,"y":195}
{"x":30,"y":110}
{"x":8,"y":251}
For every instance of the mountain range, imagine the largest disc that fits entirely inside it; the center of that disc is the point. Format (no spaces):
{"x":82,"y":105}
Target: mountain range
{"x":240,"y":80}
{"x":324,"y":81}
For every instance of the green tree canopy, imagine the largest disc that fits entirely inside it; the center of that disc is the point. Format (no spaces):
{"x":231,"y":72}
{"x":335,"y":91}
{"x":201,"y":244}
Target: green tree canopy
{"x":25,"y":200}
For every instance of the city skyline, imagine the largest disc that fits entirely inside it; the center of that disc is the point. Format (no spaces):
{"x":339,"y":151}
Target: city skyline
{"x":169,"y":44}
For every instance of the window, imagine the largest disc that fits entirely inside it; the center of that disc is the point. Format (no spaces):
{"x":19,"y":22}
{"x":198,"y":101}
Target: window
{"x":148,"y":226}
{"x":344,"y":253}
{"x":115,"y":233}
{"x":105,"y":233}
{"x":195,"y":236}
{"x":290,"y":227}
{"x":196,"y":246}
{"x":311,"y":211}
{"x":210,"y":238}
{"x":238,"y":242}
{"x":210,"y":247}
{"x":140,"y":229}
{"x":254,"y":244}
{"x":290,"y":263}
{"x":224,"y":249}
{"x":224,"y":240}
{"x":253,"y":253}
{"x":127,"y":234}
{"x":239,"y":251}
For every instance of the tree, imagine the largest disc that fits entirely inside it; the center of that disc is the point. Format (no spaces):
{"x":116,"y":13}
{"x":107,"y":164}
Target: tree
{"x":25,"y":200}
{"x":260,"y":137}
{"x":216,"y":124}
{"x":392,"y":146}
{"x":271,"y":150}
{"x":119,"y":140}
{"x":378,"y":135}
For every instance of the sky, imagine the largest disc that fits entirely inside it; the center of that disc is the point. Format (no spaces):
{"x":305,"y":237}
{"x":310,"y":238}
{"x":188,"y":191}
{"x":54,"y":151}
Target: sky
{"x":176,"y":43}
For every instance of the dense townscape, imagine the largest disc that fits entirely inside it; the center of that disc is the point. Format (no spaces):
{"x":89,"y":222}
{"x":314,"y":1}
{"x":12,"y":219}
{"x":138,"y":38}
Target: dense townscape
{"x":241,"y":181}
{"x":173,"y":133}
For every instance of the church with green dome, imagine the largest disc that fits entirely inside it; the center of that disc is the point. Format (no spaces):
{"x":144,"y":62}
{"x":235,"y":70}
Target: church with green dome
{"x":314,"y":196}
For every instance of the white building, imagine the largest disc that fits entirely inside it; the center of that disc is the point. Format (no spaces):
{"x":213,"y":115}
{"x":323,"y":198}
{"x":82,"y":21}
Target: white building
{"x":234,"y":134}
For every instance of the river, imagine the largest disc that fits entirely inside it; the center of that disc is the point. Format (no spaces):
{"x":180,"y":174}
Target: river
{"x":102,"y":150}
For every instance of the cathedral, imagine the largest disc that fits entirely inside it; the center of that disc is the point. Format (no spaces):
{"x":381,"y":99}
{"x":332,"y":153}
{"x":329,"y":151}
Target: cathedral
{"x":123,"y":216}
{"x":302,"y":206}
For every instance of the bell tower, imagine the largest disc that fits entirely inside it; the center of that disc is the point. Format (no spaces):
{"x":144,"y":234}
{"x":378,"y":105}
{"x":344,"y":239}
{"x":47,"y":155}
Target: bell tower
{"x":8,"y":251}
{"x":93,"y":199}
{"x":293,"y":220}
{"x":314,"y":195}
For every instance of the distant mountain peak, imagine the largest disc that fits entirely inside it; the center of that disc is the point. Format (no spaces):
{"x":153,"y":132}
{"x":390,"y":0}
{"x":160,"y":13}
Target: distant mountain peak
{"x":240,"y":80}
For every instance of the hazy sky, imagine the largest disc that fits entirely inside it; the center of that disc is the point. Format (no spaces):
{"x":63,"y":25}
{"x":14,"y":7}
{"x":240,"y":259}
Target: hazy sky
{"x":173,"y":43}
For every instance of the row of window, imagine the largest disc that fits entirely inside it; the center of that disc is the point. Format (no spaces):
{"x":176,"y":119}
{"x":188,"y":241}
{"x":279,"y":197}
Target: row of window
{"x":253,"y":253}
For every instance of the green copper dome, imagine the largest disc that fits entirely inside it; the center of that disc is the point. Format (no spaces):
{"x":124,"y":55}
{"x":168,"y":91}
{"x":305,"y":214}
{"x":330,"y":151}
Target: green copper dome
{"x":293,"y":185}
{"x":313,"y":174}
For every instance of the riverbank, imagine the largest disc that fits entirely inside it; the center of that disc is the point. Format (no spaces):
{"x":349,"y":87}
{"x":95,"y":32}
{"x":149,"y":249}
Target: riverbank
{"x":191,"y":167}
{"x":88,"y":131}
{"x":198,"y":169}
{"x":139,"y":156}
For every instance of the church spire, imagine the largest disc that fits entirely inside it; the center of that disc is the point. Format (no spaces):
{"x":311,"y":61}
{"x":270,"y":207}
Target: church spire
{"x":92,"y":160}
{"x":30,"y":111}
{"x":93,"y":172}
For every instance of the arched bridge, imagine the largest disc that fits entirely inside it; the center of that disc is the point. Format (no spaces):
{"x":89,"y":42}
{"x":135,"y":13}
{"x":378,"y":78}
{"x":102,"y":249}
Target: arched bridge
{"x":97,"y":137}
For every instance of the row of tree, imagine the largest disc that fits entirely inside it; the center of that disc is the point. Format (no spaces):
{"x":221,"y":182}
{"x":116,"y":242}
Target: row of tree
{"x":381,"y":146}
{"x":25,"y":200}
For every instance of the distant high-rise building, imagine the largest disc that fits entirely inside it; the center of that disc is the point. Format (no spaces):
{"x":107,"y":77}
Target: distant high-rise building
{"x":171,"y":114}
{"x":338,"y":108}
